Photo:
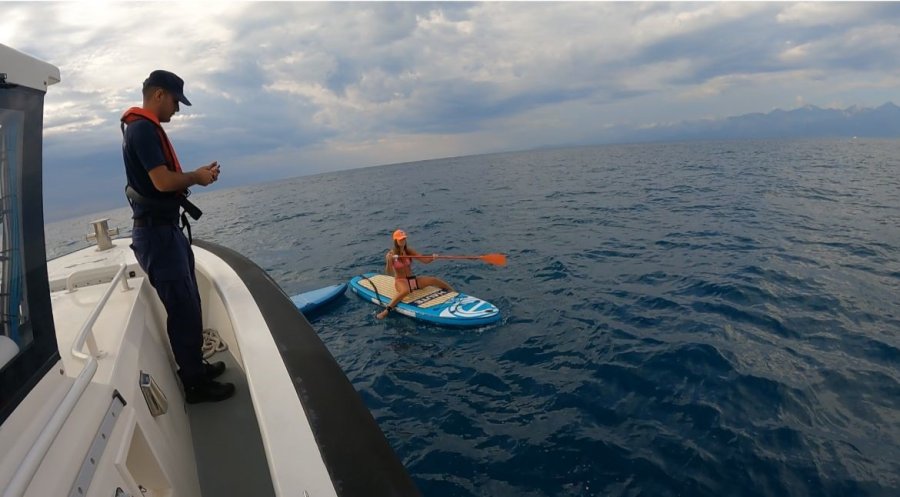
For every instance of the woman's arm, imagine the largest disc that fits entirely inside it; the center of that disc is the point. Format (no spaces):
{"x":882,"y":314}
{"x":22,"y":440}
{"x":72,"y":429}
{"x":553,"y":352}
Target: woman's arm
{"x":425,"y":260}
{"x":388,"y":267}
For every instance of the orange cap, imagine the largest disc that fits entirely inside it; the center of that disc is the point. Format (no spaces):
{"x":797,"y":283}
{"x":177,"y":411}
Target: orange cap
{"x":399,"y":235}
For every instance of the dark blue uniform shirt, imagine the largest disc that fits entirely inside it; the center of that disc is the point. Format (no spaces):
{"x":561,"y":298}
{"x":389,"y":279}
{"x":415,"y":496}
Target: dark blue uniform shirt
{"x":142,"y":151}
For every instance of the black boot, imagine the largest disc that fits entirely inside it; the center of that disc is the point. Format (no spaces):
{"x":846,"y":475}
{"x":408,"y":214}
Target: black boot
{"x":214,"y":370}
{"x":208,"y":391}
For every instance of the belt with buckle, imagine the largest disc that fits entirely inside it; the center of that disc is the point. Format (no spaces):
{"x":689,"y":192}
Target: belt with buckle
{"x":143,"y":222}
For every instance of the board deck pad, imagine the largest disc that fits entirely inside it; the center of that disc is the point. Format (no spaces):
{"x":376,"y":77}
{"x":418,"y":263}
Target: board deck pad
{"x":429,"y":296}
{"x":430,"y":303}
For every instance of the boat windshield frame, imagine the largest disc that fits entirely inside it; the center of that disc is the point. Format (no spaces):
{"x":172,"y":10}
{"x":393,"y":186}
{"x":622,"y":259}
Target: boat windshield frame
{"x":33,"y":332}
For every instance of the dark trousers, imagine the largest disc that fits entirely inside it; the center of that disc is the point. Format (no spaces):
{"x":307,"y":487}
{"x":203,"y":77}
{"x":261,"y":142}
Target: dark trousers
{"x":164,"y":253}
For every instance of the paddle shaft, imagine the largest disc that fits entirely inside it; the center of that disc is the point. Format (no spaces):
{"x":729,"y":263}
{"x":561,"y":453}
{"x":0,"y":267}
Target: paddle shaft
{"x":439,"y":256}
{"x":495,"y":259}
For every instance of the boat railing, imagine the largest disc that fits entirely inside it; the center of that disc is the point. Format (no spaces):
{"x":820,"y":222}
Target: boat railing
{"x":87,"y":330}
{"x":32,"y":460}
{"x":92,"y":276}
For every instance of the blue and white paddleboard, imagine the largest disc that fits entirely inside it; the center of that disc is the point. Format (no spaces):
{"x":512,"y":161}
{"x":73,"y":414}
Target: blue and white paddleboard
{"x":430,"y":304}
{"x":309,"y":301}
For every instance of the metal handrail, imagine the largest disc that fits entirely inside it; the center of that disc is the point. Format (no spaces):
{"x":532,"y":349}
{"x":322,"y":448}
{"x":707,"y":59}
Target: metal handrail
{"x":32,"y":460}
{"x":88,"y":326}
{"x":73,"y":280}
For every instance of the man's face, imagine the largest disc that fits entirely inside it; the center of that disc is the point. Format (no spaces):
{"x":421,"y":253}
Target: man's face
{"x":168,"y":106}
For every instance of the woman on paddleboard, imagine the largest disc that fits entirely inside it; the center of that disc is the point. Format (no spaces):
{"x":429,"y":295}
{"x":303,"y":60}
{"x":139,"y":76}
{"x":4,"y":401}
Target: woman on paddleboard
{"x":401,"y":268}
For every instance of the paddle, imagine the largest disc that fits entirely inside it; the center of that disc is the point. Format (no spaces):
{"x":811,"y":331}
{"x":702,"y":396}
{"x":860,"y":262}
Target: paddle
{"x":495,"y":259}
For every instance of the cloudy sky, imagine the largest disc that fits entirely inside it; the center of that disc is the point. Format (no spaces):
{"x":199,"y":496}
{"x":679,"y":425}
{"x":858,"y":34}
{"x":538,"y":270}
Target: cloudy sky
{"x":287,"y":89}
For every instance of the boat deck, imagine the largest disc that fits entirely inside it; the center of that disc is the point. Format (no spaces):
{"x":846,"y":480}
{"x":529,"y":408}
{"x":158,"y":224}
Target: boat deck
{"x":227,"y":443}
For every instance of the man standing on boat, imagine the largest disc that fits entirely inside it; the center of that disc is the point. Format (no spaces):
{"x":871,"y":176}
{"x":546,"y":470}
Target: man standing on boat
{"x":157,"y":190}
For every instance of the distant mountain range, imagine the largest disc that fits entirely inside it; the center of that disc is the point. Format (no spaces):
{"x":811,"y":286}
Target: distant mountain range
{"x":804,"y":122}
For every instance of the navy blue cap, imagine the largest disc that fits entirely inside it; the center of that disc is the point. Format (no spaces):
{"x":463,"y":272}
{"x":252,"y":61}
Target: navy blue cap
{"x":168,"y":81}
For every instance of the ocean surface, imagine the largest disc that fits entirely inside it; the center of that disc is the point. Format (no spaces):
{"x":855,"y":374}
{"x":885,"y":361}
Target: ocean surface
{"x":689,"y":319}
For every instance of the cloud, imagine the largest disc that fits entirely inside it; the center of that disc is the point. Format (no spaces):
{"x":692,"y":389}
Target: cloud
{"x":835,"y":14}
{"x":859,"y":48}
{"x":721,"y":84}
{"x":288,"y":88}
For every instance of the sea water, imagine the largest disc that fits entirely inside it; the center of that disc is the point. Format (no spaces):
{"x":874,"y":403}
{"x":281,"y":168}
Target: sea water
{"x":695,"y":319}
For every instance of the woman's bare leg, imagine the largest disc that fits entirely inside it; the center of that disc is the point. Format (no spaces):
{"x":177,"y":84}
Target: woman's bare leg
{"x":432,"y":281}
{"x":402,"y":287}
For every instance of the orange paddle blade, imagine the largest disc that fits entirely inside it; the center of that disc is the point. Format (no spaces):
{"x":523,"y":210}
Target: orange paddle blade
{"x":495,"y":259}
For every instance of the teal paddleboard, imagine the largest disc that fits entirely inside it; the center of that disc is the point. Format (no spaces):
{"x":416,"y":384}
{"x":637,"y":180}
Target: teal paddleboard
{"x":430,"y":304}
{"x":309,"y":301}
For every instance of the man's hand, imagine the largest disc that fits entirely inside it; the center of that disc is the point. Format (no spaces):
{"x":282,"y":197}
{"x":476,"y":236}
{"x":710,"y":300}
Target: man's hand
{"x":207,"y":174}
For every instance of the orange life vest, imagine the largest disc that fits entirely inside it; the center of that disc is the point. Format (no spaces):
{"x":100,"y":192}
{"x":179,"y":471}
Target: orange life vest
{"x":133,"y":114}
